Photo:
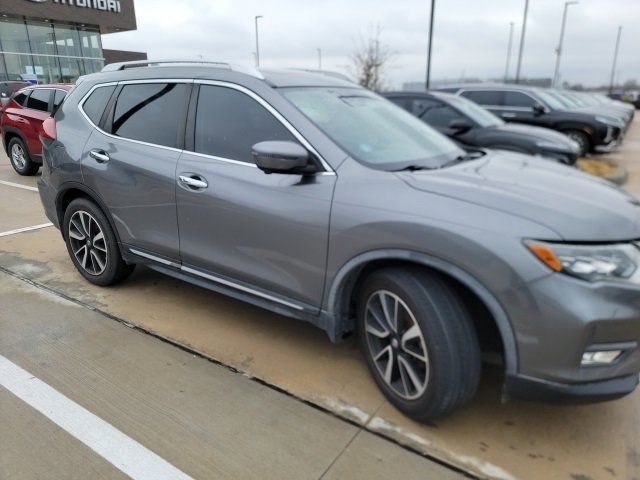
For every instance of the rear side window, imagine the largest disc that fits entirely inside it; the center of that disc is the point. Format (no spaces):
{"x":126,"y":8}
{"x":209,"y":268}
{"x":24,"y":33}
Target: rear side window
{"x":150,"y":112}
{"x":229,"y":123}
{"x":518,"y":99}
{"x":39,"y":100}
{"x":94,"y":106}
{"x":20,"y":98}
{"x":484,"y":97}
{"x":58,"y":98}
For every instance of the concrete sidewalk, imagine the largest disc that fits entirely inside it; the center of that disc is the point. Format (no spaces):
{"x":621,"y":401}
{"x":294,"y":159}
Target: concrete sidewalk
{"x":202,"y":418}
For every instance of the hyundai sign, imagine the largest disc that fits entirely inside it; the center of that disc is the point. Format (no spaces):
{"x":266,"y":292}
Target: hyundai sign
{"x":104,"y":5}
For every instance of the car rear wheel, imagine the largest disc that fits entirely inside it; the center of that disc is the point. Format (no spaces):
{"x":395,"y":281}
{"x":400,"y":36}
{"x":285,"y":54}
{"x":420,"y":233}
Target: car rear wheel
{"x":92,"y":244}
{"x":20,"y":158}
{"x":581,"y":139}
{"x":419,"y":342}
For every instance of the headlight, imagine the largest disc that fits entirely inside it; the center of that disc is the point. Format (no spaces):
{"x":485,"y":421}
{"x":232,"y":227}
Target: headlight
{"x":590,"y":262}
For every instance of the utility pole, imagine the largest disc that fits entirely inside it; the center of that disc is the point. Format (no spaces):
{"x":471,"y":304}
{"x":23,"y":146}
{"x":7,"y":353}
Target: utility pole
{"x":506,"y":68}
{"x":522,"y":36}
{"x":319,"y":59}
{"x":257,"y":17}
{"x":556,"y":73}
{"x":433,"y":9}
{"x":615,"y":60}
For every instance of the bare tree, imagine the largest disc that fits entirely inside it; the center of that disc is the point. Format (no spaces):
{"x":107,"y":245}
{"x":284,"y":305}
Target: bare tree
{"x":370,"y":60}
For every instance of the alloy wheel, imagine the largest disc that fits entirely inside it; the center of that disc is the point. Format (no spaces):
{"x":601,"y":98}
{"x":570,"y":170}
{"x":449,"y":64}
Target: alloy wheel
{"x":88,"y":243}
{"x":396,"y":344}
{"x":18,"y":157}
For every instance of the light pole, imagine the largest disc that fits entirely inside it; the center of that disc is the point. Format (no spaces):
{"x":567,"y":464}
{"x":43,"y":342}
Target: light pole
{"x":506,"y":68}
{"x":433,"y":9}
{"x":615,"y":60}
{"x":556,"y":73}
{"x":522,"y":35}
{"x":319,"y":59}
{"x":257,"y":17}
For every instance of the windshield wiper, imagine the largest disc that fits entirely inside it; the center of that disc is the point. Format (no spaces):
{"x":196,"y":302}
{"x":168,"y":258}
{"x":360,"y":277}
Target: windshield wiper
{"x":464,"y":158}
{"x":413,"y":168}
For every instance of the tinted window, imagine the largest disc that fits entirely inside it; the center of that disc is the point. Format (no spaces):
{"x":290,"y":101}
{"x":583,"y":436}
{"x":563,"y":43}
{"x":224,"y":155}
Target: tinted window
{"x":229,"y":123}
{"x":20,"y":98}
{"x":518,"y":99}
{"x":150,"y":113}
{"x":441,"y":116}
{"x":39,"y":100}
{"x":419,"y":105}
{"x":484,"y":97}
{"x":96,"y":103}
{"x":58,"y":98}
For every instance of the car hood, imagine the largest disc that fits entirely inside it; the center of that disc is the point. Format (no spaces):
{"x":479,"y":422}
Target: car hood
{"x":577,"y":206}
{"x":538,"y":135}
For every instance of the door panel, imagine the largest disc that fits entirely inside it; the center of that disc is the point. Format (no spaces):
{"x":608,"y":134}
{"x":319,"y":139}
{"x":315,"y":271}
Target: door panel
{"x":137,"y":183}
{"x":270,"y":231}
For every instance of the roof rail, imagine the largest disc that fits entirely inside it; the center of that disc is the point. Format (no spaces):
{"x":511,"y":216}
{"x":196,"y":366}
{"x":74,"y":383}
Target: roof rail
{"x":114,"y":67}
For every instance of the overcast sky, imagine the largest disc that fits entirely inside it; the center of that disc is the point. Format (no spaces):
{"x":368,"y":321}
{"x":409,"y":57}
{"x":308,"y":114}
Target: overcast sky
{"x":470,"y":36}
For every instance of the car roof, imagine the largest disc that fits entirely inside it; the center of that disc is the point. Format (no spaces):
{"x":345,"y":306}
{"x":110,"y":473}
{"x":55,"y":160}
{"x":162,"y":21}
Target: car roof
{"x":176,"y":69}
{"x":492,"y":86}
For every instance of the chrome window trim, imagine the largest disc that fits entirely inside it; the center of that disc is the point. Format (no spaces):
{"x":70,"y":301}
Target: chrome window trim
{"x":128,"y":82}
{"x":328,"y":169}
{"x":275,"y":113}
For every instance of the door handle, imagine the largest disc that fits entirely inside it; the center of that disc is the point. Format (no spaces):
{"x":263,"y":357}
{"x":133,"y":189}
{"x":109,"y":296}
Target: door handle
{"x":509,"y":115}
{"x":99,"y":156}
{"x":193,"y":181}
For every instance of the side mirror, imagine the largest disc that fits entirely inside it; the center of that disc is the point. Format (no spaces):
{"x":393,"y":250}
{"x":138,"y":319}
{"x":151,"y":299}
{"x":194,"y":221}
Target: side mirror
{"x":539,"y":109}
{"x":280,"y":157}
{"x":460,"y":126}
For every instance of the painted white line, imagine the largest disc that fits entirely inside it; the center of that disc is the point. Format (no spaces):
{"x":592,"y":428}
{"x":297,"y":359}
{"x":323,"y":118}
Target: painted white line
{"x":18,"y":185}
{"x":122,"y":452}
{"x":25,"y":229}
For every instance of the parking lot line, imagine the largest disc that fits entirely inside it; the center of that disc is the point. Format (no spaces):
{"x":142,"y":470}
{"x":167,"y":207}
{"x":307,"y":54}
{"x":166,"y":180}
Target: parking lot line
{"x":26,"y":229}
{"x":17,"y":185}
{"x":121,"y":451}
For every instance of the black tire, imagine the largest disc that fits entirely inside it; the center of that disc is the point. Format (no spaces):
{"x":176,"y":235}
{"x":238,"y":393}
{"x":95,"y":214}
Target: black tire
{"x":452,"y":346}
{"x":582,"y":139}
{"x":113,"y":268}
{"x":20,"y":159}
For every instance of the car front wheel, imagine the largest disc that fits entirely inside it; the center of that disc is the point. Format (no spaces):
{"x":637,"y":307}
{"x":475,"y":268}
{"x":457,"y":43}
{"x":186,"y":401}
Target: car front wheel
{"x":419,"y":341}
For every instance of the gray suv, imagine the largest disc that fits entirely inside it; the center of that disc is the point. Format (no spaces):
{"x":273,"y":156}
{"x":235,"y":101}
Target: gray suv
{"x":314,"y":198}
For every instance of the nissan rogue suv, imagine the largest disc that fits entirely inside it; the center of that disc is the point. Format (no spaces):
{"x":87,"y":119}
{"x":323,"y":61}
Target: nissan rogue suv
{"x":317,"y":199}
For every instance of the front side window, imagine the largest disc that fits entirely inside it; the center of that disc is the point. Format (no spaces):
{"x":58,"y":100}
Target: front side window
{"x":420,"y":105}
{"x":441,"y":116}
{"x":518,"y":99}
{"x":95,"y":105}
{"x":150,"y":112}
{"x":484,"y":97}
{"x":39,"y":100}
{"x":229,"y":123}
{"x":373,"y":130}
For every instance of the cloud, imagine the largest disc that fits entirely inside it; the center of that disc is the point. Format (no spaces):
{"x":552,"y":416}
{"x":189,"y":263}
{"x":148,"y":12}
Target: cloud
{"x":470,"y":36}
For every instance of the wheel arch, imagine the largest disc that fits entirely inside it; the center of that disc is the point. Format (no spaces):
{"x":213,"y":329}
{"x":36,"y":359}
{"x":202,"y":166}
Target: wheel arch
{"x":72,"y":190}
{"x":9,"y":134}
{"x":352,"y":273}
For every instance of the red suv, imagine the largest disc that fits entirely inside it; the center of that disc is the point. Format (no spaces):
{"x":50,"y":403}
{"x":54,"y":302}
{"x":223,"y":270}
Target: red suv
{"x":21,"y":121}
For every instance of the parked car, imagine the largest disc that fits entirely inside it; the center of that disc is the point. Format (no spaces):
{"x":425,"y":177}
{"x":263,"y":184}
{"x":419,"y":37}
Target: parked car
{"x":466,"y":122}
{"x":317,"y":199}
{"x":21,"y":121}
{"x":516,"y":103}
{"x":586,"y":103}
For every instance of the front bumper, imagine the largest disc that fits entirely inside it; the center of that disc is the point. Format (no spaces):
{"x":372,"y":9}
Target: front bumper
{"x":612,"y":140}
{"x":534,"y":389}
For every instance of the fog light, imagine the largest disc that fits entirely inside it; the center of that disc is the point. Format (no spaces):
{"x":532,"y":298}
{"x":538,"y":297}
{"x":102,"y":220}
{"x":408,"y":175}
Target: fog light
{"x":603,"y":357}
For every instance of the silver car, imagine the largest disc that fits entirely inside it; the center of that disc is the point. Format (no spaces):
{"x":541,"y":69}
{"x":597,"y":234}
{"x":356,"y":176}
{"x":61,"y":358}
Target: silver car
{"x":309,"y":196}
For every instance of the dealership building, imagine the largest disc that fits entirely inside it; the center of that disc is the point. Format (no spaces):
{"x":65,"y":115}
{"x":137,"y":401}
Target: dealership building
{"x":51,"y":41}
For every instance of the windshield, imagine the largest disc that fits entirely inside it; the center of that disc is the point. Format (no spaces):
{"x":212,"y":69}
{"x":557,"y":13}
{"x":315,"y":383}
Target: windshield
{"x":550,"y":100}
{"x":564,"y":99}
{"x":373,"y":130}
{"x":484,"y":118}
